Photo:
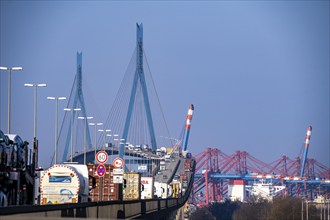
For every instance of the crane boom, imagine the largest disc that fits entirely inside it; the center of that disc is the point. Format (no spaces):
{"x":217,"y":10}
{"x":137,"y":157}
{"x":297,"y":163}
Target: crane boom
{"x":306,"y":145}
{"x":187,"y":127}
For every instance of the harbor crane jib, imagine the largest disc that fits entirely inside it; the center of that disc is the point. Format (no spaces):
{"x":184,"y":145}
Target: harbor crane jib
{"x":306,"y":145}
{"x":187,"y":127}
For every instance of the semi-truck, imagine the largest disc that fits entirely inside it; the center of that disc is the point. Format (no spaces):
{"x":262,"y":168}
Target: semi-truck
{"x":147,"y":187}
{"x":163,"y":190}
{"x":16,"y":172}
{"x":64,"y":183}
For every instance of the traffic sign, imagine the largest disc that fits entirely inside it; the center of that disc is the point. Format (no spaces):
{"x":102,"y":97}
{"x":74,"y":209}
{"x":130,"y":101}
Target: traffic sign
{"x":118,"y":179}
{"x":118,"y":171}
{"x":101,"y":157}
{"x":100,"y":170}
{"x":142,"y":167}
{"x":118,"y":163}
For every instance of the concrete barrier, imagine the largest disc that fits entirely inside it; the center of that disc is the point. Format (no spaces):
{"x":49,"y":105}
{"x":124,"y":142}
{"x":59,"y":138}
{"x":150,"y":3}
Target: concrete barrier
{"x":151,"y":206}
{"x":94,"y":210}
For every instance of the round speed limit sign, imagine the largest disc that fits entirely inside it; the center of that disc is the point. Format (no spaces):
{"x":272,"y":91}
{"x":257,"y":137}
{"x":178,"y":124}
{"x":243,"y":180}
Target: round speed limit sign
{"x":101,"y":157}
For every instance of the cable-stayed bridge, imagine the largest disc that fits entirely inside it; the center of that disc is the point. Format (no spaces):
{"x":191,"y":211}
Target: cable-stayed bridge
{"x":135,"y":118}
{"x":135,"y":130}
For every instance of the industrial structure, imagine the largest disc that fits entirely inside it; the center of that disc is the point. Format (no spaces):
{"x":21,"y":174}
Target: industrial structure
{"x":241,"y":176}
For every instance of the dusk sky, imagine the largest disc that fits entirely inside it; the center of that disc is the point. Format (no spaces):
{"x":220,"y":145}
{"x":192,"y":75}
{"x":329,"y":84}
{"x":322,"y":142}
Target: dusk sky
{"x":256,"y":71}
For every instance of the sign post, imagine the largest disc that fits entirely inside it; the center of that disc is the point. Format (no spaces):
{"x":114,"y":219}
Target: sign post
{"x":101,"y":157}
{"x":118,"y":172}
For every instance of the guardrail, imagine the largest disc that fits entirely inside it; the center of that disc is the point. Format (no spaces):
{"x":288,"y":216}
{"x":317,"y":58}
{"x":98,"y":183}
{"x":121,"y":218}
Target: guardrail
{"x":108,"y":209}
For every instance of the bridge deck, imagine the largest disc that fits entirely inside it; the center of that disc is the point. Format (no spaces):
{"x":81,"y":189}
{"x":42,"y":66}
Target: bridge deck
{"x":145,"y":209}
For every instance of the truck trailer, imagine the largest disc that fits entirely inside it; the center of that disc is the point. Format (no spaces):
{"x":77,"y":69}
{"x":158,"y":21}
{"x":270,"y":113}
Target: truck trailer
{"x":64,"y":183}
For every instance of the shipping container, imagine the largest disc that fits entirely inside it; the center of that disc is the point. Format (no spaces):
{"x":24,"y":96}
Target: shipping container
{"x":147,"y":187}
{"x":169,"y":150}
{"x":105,"y":189}
{"x":183,"y":182}
{"x":162,"y":165}
{"x":188,"y":165}
{"x":176,"y":189}
{"x":132,"y":186}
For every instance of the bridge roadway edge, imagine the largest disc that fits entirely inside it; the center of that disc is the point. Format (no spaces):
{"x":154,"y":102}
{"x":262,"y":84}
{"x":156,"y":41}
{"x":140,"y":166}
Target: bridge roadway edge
{"x":134,"y":209}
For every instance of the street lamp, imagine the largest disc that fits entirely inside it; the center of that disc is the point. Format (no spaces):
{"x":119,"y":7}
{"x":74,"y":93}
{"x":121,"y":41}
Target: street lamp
{"x":56,"y":123}
{"x":9,"y":89}
{"x":120,"y":141}
{"x":95,"y":124}
{"x":36,"y":85}
{"x":104,"y":134}
{"x":111,"y":140}
{"x":85,"y":126}
{"x":72,"y":121}
{"x":35,"y":142}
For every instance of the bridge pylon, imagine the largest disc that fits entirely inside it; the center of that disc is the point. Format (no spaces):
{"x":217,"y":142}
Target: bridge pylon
{"x":76,"y":101}
{"x":139,"y":77}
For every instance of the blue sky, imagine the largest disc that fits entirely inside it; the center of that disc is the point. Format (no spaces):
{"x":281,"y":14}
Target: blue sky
{"x":256,"y":71}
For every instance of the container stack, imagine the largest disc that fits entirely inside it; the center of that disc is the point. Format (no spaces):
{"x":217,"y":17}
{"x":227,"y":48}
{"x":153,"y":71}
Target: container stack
{"x":105,"y":189}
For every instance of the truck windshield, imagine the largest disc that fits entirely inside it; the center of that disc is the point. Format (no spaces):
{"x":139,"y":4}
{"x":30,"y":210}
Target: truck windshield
{"x":60,"y":179}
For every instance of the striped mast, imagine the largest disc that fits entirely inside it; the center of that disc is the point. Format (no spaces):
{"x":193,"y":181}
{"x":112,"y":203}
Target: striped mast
{"x":306,"y":145}
{"x":187,"y":127}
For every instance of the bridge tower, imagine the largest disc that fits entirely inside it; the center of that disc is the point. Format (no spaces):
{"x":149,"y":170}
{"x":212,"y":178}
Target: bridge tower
{"x":76,"y":101}
{"x":139,"y":77}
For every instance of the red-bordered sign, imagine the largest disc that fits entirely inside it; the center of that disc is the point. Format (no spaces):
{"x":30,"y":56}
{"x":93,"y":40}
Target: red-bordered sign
{"x":101,"y":157}
{"x":100,"y":170}
{"x":118,"y":163}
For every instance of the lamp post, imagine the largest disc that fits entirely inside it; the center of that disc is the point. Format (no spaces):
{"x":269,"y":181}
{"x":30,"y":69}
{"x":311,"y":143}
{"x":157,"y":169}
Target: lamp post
{"x":120,"y":141}
{"x":36,"y":85}
{"x":302,"y":208}
{"x":35,"y":141}
{"x":307,"y":209}
{"x":95,"y":124}
{"x":72,"y":121}
{"x":104,"y":134}
{"x":112,"y":139}
{"x":56,"y":123}
{"x":328,"y":211}
{"x":9,"y":89}
{"x":35,"y":148}
{"x":85,"y":126}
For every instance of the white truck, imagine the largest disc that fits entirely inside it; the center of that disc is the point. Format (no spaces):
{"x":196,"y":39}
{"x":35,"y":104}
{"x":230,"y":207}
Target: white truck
{"x":64,"y":183}
{"x":147,"y":187}
{"x":163,"y":190}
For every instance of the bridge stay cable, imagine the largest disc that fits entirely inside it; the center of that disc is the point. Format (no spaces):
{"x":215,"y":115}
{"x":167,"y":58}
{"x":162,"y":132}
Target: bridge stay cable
{"x":75,"y":101}
{"x":133,"y":114}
